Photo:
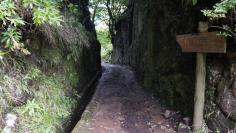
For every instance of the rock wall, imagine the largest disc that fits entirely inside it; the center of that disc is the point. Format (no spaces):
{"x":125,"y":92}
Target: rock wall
{"x":220,"y":109}
{"x":145,"y":40}
{"x":90,"y":60}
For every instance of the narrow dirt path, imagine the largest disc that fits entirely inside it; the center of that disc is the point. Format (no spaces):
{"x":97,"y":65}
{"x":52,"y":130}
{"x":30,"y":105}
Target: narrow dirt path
{"x":120,"y":105}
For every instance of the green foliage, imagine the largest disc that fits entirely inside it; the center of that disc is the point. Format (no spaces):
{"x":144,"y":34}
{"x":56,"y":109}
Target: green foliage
{"x":31,"y":107}
{"x":194,"y":2}
{"x":53,"y":56}
{"x":100,"y":13}
{"x":73,"y":14}
{"x":73,"y":8}
{"x":46,"y":99}
{"x":33,"y":74}
{"x":105,"y":13}
{"x":50,"y":107}
{"x":11,"y":36}
{"x":13,"y":20}
{"x":8,"y":13}
{"x":42,"y":99}
{"x":103,"y":37}
{"x":221,"y":11}
{"x":71,"y":75}
{"x":106,"y":46}
{"x":44,"y":11}
{"x":210,"y":107}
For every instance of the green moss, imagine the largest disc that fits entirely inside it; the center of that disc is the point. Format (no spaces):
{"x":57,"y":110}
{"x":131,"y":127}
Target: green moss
{"x":173,"y":92}
{"x":72,"y":76}
{"x":47,"y":97}
{"x":50,"y":107}
{"x":53,"y":55}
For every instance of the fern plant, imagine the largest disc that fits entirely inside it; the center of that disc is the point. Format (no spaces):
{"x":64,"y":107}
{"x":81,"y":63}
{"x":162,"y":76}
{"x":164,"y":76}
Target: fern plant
{"x":12,"y":20}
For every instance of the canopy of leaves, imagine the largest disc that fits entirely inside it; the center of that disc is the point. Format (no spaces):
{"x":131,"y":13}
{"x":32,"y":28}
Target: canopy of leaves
{"x":100,"y":11}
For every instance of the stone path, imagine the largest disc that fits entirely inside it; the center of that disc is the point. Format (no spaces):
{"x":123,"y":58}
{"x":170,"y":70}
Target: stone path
{"x":120,"y":105}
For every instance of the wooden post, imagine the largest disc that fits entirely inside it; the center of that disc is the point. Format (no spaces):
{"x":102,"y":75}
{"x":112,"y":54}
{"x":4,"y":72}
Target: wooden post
{"x":199,"y":98}
{"x":199,"y":92}
{"x":201,"y":43}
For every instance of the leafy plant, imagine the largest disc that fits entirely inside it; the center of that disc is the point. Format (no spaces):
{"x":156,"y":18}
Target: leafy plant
{"x":106,"y":46}
{"x":225,"y":11}
{"x":220,"y":9}
{"x":105,"y":14}
{"x":11,"y":37}
{"x":51,"y":105}
{"x":13,"y":20}
{"x":31,"y":108}
{"x":8,"y":13}
{"x":33,"y":74}
{"x":73,"y":8}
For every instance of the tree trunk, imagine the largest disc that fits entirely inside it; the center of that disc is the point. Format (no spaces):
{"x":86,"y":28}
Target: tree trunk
{"x":111,"y":23}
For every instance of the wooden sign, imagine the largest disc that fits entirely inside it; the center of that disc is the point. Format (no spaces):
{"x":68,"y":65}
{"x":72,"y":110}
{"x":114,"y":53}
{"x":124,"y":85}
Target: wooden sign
{"x":206,"y":42}
{"x":202,"y":43}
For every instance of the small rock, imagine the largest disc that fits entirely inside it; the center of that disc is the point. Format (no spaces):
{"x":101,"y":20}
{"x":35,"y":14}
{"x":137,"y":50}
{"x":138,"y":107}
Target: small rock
{"x":184,"y":128}
{"x":10,"y":120}
{"x":167,"y":114}
{"x":163,"y":127}
{"x":7,"y":130}
{"x":10,"y":123}
{"x":187,"y":121}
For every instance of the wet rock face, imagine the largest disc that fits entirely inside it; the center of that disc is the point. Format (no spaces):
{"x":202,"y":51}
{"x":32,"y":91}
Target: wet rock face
{"x":227,"y":103}
{"x":226,"y":97}
{"x":222,"y":78}
{"x":220,"y":122}
{"x":146,"y":41}
{"x":89,"y":60}
{"x":234,"y":89}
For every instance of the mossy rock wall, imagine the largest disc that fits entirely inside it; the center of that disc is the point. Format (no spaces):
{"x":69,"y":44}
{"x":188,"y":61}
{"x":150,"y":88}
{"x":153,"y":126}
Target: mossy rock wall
{"x":146,"y":41}
{"x":78,"y":37}
{"x":220,"y":106}
{"x":89,"y":60}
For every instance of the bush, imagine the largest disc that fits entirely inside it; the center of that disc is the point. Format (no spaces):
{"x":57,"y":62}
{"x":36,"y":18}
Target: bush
{"x":19,"y":17}
{"x":225,"y":12}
